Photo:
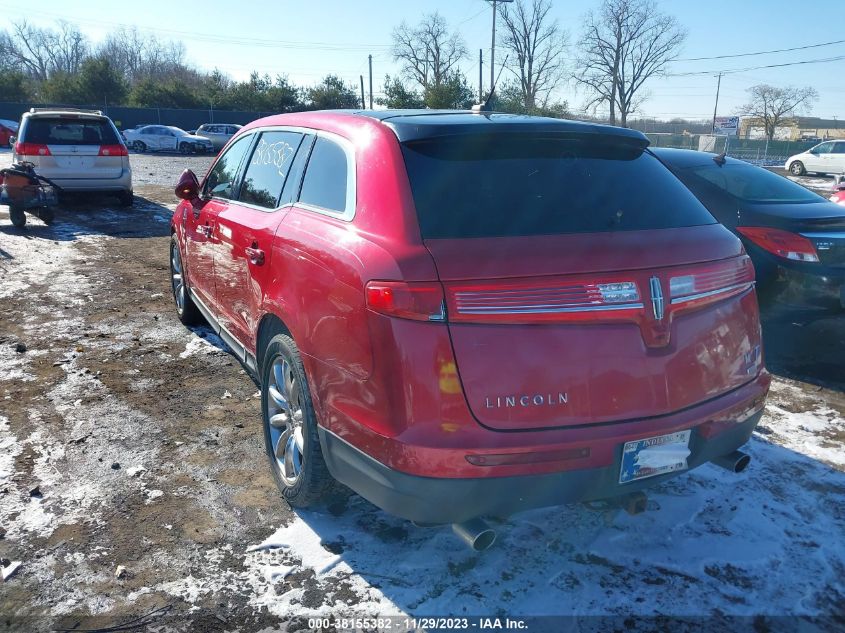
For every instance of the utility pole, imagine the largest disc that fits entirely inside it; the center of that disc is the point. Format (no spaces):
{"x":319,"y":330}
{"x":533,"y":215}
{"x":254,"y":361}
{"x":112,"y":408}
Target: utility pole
{"x":371,"y":81}
{"x":363,"y":103}
{"x":716,"y":107}
{"x":493,"y":48}
{"x":480,"y":76}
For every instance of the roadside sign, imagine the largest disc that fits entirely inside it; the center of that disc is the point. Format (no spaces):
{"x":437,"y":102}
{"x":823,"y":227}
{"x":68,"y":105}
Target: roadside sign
{"x":726,"y":125}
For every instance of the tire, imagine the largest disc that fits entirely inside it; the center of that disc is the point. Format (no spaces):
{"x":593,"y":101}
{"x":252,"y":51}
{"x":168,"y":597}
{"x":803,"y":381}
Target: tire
{"x":126,"y":198}
{"x":47,"y":215}
{"x":139,"y":146}
{"x":186,"y":309}
{"x":18,"y":217}
{"x":185,"y":148}
{"x":287,"y":412}
{"x":796,"y":168}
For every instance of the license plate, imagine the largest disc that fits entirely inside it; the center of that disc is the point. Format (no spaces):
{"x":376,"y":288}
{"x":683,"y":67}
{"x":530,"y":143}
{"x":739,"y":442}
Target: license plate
{"x":654,"y":456}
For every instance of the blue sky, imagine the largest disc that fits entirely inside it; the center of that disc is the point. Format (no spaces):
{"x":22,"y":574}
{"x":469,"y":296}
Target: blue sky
{"x":306,"y":40}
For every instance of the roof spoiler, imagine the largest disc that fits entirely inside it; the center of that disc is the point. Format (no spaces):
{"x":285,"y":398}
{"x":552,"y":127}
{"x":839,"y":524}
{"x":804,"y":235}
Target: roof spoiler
{"x":79,"y":110}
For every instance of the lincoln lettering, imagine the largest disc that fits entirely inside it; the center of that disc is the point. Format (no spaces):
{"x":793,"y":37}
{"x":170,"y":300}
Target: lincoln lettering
{"x":537,"y":400}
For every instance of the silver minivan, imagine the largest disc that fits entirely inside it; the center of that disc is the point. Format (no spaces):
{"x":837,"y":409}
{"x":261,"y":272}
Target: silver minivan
{"x":79,"y":150}
{"x":824,"y":158}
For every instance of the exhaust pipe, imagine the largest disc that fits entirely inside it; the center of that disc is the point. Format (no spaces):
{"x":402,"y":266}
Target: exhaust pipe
{"x":475,"y":533}
{"x":634,"y":503}
{"x":735,"y":462}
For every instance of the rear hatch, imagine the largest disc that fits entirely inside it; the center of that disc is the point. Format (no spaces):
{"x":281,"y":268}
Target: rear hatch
{"x":72,"y":147}
{"x":583,"y":283}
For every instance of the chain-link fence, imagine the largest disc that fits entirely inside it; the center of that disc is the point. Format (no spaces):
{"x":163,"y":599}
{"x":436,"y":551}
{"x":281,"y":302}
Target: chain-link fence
{"x":756,"y":151}
{"x":126,"y":118}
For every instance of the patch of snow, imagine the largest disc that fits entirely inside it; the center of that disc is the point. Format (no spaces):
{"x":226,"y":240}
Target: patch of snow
{"x":208,"y":343}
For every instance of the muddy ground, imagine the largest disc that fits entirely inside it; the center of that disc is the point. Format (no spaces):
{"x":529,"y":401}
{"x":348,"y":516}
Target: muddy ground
{"x":133,"y":481}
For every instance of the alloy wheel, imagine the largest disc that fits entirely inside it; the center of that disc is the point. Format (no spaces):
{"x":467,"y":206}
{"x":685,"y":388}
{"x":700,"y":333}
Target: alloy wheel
{"x":177,"y":281}
{"x":285,"y":418}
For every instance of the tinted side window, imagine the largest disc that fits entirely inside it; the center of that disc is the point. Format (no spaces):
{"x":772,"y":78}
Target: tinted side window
{"x":824,"y":148}
{"x":839,"y":148}
{"x":294,"y":179}
{"x":325,"y":181}
{"x":268,"y":168}
{"x":220,"y":182}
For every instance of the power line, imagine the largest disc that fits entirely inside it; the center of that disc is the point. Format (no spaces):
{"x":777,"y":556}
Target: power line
{"x":742,"y":70}
{"x":209,"y":37}
{"x":777,"y":50}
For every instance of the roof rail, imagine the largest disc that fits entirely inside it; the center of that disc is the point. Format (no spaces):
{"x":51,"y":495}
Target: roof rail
{"x":60,"y":109}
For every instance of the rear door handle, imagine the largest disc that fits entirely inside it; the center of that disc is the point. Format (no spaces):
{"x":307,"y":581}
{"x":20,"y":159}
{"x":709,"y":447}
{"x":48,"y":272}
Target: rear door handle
{"x":255,"y":255}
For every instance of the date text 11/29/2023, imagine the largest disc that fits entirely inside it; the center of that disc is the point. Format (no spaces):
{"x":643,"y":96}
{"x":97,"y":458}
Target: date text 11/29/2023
{"x":407,"y":624}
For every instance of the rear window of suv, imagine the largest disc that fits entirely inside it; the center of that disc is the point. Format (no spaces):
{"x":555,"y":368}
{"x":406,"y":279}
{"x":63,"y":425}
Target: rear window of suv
{"x":498,"y":186}
{"x":68,"y":131}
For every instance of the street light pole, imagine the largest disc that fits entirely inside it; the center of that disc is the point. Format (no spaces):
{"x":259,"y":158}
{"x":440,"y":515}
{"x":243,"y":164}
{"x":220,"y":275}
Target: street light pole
{"x":716,"y":107}
{"x":493,"y":47}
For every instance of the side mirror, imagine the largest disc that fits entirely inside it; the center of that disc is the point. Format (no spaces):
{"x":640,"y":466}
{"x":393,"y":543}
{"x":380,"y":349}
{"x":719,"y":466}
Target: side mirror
{"x":188,"y":187}
{"x":12,"y":140}
{"x":814,"y":151}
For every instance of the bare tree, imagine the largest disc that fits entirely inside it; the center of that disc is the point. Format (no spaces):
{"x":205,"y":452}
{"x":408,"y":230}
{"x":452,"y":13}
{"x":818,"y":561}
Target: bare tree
{"x":428,"y":52}
{"x":28,"y":48}
{"x":624,"y":44}
{"x":39,"y":52}
{"x":69,"y":48}
{"x":772,"y":105}
{"x":535,"y":45}
{"x":137,"y":55}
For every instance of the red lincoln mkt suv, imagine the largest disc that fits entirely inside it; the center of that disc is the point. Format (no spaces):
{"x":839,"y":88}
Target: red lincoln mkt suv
{"x":467,"y":314}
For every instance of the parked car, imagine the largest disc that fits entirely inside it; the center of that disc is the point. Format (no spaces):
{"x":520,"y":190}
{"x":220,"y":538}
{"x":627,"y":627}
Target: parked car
{"x":795,"y":237}
{"x":8,"y":129}
{"x":218,"y":133}
{"x":79,"y":150}
{"x":166,"y":138}
{"x":838,"y":194}
{"x":824,"y":158}
{"x":459,"y":314}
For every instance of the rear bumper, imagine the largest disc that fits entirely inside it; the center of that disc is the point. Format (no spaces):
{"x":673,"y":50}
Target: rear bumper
{"x":448,"y":493}
{"x":122,"y":183}
{"x":824,"y":288}
{"x":437,"y":500}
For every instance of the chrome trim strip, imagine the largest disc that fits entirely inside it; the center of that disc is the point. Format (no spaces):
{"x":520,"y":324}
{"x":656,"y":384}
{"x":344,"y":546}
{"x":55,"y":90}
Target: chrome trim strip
{"x":825,"y":236}
{"x":548,"y":310}
{"x":710,"y":293}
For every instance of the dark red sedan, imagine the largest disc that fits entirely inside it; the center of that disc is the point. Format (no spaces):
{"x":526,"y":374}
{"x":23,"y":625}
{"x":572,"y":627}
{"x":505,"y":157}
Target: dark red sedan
{"x":463,"y":314}
{"x":8,"y":129}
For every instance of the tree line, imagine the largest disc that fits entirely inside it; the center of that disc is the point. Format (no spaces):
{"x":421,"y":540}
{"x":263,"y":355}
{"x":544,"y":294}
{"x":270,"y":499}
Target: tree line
{"x":622,"y":46}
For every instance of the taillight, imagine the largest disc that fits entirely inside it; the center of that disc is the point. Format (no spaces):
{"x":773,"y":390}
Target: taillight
{"x":420,"y":301}
{"x":781,"y":243}
{"x":31,"y":149}
{"x":710,"y":282}
{"x":543,"y":300}
{"x":113,"y":150}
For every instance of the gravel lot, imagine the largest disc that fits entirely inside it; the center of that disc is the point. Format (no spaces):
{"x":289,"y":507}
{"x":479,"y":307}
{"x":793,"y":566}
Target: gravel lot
{"x":133,"y":480}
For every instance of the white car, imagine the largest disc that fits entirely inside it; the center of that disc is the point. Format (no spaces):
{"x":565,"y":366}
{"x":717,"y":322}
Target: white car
{"x":166,"y":138}
{"x":824,"y":158}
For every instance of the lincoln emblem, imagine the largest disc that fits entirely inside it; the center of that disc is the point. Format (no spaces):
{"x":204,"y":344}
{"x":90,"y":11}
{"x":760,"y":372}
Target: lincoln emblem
{"x":535,"y":400}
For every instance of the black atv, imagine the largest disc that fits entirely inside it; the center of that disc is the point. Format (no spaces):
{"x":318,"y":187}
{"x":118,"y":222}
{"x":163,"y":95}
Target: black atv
{"x":25,"y":191}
